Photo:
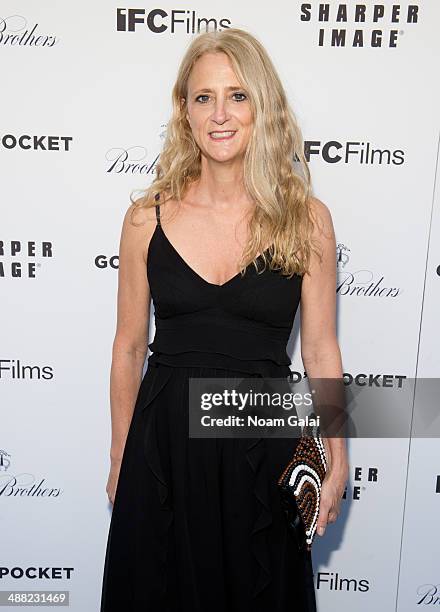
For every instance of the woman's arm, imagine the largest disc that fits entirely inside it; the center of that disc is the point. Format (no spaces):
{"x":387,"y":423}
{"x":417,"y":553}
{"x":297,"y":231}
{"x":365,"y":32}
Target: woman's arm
{"x":130,"y":344}
{"x":320,"y":351}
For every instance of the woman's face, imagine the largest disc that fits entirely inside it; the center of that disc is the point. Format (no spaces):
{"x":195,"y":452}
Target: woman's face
{"x":218,"y":109}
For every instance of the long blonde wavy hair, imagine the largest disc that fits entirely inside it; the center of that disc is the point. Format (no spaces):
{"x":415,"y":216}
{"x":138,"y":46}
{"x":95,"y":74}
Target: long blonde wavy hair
{"x":282,"y":216}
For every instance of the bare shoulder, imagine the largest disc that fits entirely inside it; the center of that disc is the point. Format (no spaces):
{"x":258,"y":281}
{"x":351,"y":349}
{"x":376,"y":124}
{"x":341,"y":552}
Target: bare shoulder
{"x":323,"y":222}
{"x":138,"y":228}
{"x":323,"y":238}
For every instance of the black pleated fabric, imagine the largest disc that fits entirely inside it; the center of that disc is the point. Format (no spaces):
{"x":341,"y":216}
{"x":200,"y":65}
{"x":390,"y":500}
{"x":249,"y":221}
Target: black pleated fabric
{"x":197,"y":523}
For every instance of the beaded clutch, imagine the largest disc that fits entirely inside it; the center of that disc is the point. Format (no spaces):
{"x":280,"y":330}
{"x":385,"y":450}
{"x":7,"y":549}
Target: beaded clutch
{"x":300,"y":484}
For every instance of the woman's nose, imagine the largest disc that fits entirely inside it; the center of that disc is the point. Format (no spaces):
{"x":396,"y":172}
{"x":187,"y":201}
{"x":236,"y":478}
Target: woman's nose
{"x":220,"y":111}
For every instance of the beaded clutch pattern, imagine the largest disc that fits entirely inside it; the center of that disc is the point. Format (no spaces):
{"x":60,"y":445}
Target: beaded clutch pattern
{"x":301,"y":482}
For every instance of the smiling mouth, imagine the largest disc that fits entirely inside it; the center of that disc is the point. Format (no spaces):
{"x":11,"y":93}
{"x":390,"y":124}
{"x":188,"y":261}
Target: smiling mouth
{"x":222,"y":135}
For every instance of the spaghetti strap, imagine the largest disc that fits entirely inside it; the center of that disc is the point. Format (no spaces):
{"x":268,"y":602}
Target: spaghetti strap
{"x":156,"y":197}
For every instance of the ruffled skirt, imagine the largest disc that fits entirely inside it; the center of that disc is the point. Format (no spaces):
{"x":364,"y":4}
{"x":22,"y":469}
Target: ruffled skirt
{"x":197,"y":523}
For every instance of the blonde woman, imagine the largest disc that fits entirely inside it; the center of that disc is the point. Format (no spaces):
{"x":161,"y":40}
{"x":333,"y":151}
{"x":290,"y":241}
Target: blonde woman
{"x":228,"y":242}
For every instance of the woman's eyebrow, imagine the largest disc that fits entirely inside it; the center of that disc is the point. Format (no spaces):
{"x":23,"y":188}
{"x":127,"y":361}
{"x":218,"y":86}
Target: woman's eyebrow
{"x":228,"y":88}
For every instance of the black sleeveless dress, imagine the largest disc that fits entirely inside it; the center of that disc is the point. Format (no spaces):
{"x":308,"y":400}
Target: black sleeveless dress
{"x":197,"y":524}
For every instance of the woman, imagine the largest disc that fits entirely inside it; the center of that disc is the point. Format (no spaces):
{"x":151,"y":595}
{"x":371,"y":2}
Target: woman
{"x":197,"y":523}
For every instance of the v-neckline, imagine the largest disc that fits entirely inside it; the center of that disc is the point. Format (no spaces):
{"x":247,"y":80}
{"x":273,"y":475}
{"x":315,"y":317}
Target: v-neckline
{"x":192,"y":271}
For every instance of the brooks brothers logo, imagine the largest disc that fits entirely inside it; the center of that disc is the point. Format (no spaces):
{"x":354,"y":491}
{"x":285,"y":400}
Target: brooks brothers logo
{"x":133,"y":160}
{"x":360,"y":283}
{"x":28,"y":142}
{"x":353,"y":151}
{"x":15,"y":30}
{"x":428,"y":595}
{"x":333,"y":581}
{"x":369,"y":24}
{"x":4,"y":461}
{"x":22,"y":259}
{"x":23,"y":484}
{"x":159,"y":20}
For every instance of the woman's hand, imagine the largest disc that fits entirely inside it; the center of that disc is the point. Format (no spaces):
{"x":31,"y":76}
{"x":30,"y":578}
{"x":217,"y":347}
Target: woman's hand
{"x":112,"y":481}
{"x":333,"y":487}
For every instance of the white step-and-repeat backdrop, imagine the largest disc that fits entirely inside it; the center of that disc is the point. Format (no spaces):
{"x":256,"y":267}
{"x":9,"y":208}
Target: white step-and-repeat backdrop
{"x":85,"y":98}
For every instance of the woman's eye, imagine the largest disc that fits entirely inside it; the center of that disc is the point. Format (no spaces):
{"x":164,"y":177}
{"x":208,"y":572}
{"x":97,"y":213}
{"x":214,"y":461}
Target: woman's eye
{"x":202,"y":98}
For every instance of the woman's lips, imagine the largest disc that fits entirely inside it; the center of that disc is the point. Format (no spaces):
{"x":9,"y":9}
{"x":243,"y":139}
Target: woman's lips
{"x":222,"y":135}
